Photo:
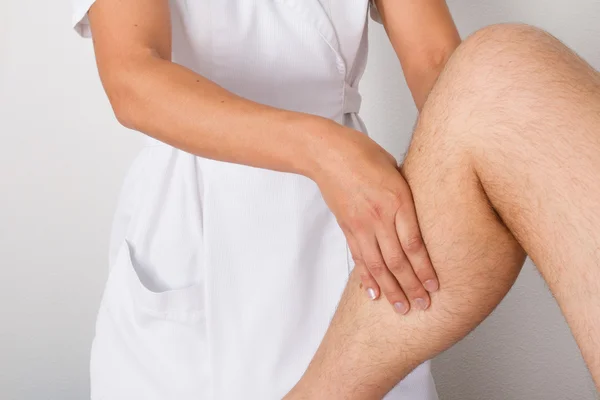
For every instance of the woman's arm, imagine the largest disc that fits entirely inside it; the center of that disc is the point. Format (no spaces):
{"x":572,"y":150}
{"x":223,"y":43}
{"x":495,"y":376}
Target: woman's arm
{"x":358,"y":179}
{"x":424,"y":36}
{"x":150,"y":94}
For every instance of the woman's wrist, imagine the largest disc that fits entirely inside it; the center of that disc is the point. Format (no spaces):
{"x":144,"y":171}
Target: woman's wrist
{"x":325,"y":144}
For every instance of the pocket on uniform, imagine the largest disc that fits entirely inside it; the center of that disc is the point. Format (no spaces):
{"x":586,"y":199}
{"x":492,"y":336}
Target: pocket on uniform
{"x":148,"y":344}
{"x":127,"y":280}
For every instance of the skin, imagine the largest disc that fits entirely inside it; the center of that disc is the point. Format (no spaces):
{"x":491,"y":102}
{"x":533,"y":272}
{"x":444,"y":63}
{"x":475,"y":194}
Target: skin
{"x":504,"y":161}
{"x":358,"y":179}
{"x":368,"y":348}
{"x":424,"y":36}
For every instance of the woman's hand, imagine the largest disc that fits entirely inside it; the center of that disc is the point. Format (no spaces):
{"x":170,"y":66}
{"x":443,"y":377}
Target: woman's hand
{"x":372,"y":202}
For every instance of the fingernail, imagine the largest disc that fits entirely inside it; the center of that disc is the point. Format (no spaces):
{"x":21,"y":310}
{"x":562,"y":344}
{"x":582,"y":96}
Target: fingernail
{"x":401,"y":308}
{"x":371,"y":293}
{"x":421,"y":304}
{"x":431,"y":285}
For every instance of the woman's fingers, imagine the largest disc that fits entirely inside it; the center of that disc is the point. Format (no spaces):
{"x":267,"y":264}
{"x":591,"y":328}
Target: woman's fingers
{"x":400,"y":267}
{"x":409,"y":233}
{"x":376,"y":265}
{"x":373,"y":204}
{"x":370,"y":285}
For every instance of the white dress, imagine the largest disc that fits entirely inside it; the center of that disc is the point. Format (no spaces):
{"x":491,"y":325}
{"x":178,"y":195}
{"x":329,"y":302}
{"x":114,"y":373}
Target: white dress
{"x":223,"y":278}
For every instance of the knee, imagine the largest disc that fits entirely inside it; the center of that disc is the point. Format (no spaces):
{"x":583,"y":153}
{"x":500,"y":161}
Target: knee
{"x":507,"y":45}
{"x":499,"y":67}
{"x":501,"y":55}
{"x":499,"y":70}
{"x":506,"y":38}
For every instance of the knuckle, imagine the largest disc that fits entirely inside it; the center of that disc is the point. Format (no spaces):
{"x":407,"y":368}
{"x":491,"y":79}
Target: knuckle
{"x":397,"y":264}
{"x":414,"y":288}
{"x":376,"y":211}
{"x":413,"y":244}
{"x":399,"y":200}
{"x":356,"y":226}
{"x":394,"y":295}
{"x":364,"y":276}
{"x":357,"y":259}
{"x":377,"y":268}
{"x":425,"y":271}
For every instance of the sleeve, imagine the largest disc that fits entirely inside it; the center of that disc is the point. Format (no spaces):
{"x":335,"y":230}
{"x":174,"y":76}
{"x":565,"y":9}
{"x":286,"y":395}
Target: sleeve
{"x":374,"y":12}
{"x":80,"y":17}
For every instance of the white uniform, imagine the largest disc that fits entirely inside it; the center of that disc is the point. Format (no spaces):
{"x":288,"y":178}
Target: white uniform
{"x":224,"y":277}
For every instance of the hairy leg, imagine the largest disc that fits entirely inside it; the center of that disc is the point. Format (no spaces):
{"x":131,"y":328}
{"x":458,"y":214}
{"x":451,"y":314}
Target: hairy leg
{"x":534,"y":144}
{"x":506,"y":157}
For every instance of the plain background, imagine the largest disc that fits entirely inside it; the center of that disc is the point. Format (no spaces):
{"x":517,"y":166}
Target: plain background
{"x":62,"y":160}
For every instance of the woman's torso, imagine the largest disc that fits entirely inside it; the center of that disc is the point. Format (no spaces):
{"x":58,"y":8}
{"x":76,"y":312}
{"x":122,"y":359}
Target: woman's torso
{"x":224,"y":277}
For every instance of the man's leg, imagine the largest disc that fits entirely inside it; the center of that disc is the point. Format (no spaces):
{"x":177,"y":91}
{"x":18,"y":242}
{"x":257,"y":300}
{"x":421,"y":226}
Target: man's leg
{"x":506,"y":157}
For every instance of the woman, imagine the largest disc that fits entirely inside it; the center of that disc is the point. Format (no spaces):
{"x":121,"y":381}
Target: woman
{"x":240,"y":219}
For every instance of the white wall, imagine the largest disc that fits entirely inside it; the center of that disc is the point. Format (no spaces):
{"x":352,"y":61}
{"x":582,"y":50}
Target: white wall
{"x":62,"y":159}
{"x":61,"y":163}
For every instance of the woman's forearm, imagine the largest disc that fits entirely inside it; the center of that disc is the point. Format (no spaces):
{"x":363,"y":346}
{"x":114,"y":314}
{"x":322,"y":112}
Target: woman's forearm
{"x":424,"y":37}
{"x":175,"y":105}
{"x":422,"y":76}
